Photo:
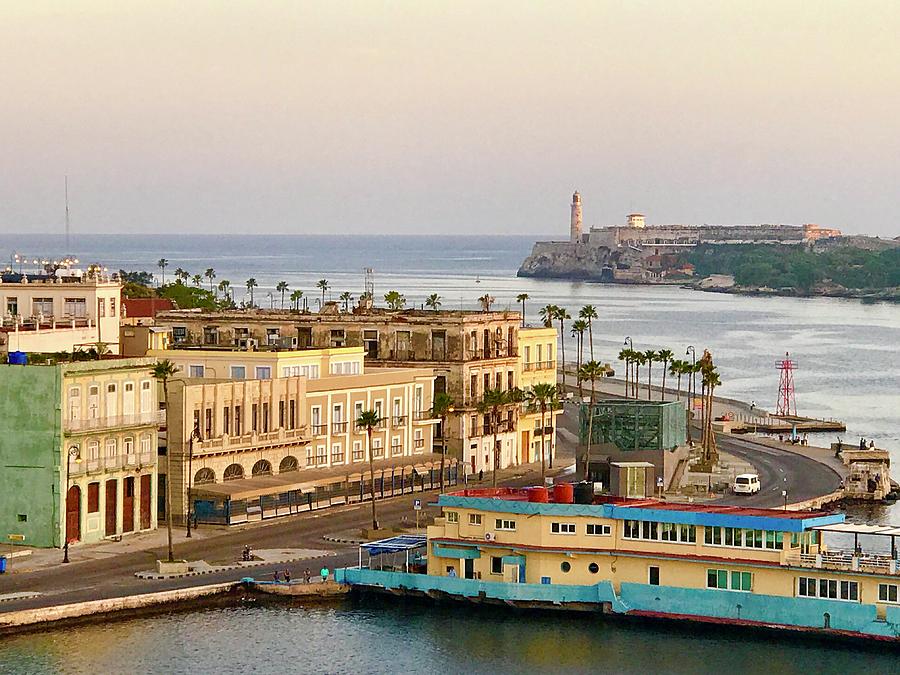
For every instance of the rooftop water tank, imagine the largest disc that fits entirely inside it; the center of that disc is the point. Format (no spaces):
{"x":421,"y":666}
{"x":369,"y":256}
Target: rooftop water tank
{"x":563,"y":493}
{"x":18,"y":359}
{"x":538,"y":494}
{"x":584,"y":493}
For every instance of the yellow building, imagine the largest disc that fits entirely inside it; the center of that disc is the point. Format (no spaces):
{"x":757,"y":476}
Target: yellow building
{"x":537,"y":365}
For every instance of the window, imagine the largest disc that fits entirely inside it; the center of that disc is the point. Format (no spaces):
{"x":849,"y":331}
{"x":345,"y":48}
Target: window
{"x":831,"y":589}
{"x":146,"y":396}
{"x":321,"y":454}
{"x":238,"y":372}
{"x":741,"y":538}
{"x":562,"y":528}
{"x":263,"y":373}
{"x":496,"y":565}
{"x":357,"y":410}
{"x":12,"y":306}
{"x":281,"y":415}
{"x":453,"y":517}
{"x":887,"y":592}
{"x":474,"y":519}
{"x":111,"y":447}
{"x":593,"y":568}
{"x":650,"y":531}
{"x":599,"y":530}
{"x":238,"y":420}
{"x":358,"y":454}
{"x":210,"y":335}
{"x":196,"y":371}
{"x":508,"y":525}
{"x":265,"y":417}
{"x":179,"y":334}
{"x":254,"y":417}
{"x":42,"y":307}
{"x":377,"y":447}
{"x":128,"y":445}
{"x":226,"y":420}
{"x":292,"y":413}
{"x":653,"y":575}
{"x":146,"y":443}
{"x":101,"y":307}
{"x":75,"y":307}
{"x":204,"y":476}
{"x":337,"y":454}
{"x":729,"y":581}
{"x":112,"y":306}
{"x":262,"y":468}
{"x":209,"y":422}
{"x":565,"y":566}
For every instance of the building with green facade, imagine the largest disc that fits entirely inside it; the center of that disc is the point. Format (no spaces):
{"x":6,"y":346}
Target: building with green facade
{"x":78,"y":450}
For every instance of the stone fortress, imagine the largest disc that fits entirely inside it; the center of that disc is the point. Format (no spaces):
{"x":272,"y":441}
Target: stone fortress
{"x":640,"y":253}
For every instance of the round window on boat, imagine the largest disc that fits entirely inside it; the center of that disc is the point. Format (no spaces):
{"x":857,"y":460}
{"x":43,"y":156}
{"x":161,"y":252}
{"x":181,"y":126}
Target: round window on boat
{"x":593,"y":568}
{"x":565,"y":566}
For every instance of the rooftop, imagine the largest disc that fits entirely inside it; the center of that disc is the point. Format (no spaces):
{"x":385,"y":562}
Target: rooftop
{"x":373,"y":315}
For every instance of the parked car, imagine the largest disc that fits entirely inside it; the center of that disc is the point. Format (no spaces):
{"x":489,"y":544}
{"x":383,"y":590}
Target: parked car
{"x":746,"y":484}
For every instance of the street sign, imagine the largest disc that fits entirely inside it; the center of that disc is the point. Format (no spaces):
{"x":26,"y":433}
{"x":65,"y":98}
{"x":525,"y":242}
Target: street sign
{"x":16,"y":537}
{"x":417,"y":504}
{"x":659,"y":482}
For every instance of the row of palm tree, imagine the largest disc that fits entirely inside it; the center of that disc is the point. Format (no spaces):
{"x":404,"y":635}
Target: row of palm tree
{"x":636,"y":359}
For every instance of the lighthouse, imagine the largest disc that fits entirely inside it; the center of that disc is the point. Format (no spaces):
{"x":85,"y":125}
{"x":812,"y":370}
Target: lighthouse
{"x":575,"y":225}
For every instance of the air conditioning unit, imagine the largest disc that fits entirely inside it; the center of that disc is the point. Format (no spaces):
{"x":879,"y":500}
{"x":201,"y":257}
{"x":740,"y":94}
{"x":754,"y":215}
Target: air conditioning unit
{"x":489,"y":536}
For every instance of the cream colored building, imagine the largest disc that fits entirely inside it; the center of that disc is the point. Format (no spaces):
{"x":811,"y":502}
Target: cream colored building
{"x":59,"y":312}
{"x":537,"y":365}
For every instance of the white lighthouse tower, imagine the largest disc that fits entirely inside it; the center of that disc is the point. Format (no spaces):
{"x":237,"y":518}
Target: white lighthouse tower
{"x":575,"y":224}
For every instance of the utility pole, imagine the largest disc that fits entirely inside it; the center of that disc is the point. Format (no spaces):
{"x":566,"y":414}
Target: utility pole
{"x":68,"y":247}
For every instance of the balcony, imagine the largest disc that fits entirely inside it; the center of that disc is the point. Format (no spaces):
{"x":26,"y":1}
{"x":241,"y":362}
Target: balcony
{"x":846,"y":561}
{"x":501,"y":351}
{"x":419,"y":443}
{"x":319,"y":429}
{"x":396,"y":450}
{"x":254,"y":441}
{"x":425,"y":416}
{"x":149,"y":419}
{"x":111,"y":463}
{"x":398,"y":420}
{"x":339,"y":427}
{"x":540,"y":365}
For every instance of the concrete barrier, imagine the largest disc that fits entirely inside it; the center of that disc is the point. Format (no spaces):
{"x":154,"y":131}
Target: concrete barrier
{"x":77,"y":610}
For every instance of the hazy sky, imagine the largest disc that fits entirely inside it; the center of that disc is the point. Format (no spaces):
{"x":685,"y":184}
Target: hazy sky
{"x":447,"y":117}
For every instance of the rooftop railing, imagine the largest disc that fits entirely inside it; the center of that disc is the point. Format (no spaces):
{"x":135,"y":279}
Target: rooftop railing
{"x":116,"y":421}
{"x":846,"y":561}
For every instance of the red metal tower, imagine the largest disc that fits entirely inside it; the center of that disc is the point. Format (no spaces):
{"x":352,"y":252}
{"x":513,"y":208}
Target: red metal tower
{"x":787,"y":404}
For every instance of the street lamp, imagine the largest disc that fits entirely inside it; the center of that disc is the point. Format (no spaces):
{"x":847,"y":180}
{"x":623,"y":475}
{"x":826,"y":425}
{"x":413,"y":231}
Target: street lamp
{"x":73,"y":453}
{"x":195,"y":436}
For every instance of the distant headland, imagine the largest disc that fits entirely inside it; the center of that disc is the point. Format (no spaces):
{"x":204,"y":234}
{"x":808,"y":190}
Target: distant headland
{"x":767,"y":259}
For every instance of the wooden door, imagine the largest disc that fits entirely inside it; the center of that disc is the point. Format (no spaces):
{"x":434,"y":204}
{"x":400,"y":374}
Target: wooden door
{"x":73,"y":514}
{"x":128,"y":505}
{"x":145,"y":501}
{"x":111,"y":507}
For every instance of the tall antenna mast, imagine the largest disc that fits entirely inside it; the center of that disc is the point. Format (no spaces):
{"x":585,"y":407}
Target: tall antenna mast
{"x":68,"y":247}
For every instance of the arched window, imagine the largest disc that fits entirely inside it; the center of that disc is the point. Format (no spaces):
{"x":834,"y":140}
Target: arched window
{"x":233,"y":472}
{"x":205,"y":476}
{"x":289,"y":463}
{"x":262,"y":468}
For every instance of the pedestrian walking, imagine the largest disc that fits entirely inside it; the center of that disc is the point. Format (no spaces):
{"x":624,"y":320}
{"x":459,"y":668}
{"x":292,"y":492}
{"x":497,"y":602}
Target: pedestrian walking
{"x":307,"y":575}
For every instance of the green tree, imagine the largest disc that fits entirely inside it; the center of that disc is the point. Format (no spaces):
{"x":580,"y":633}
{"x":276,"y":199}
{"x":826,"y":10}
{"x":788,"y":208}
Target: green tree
{"x":281,"y":287}
{"x":651,"y":357}
{"x":589,"y":313}
{"x":224,"y":285}
{"x":181,"y":275}
{"x":251,"y":284}
{"x":548,"y":315}
{"x":441,"y":407}
{"x":322,"y":285}
{"x":664,"y":355}
{"x":579,"y":326}
{"x":562,"y":316}
{"x":492,"y":402}
{"x":638,"y":359}
{"x":162,"y":264}
{"x":625,"y":356}
{"x":197,"y":279}
{"x":394,"y":300}
{"x":521,"y":298}
{"x":346,"y":298}
{"x":542,"y":395}
{"x":295,"y":299}
{"x":433,"y":301}
{"x":163,"y":371}
{"x":591,"y":371}
{"x":210,"y":274}
{"x":368,"y":420}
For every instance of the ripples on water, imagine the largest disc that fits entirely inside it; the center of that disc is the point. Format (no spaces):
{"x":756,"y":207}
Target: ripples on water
{"x":397,"y":637}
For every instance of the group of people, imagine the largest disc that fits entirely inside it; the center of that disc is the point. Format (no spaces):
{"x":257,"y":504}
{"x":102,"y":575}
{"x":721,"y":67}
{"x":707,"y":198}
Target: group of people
{"x":285,"y":575}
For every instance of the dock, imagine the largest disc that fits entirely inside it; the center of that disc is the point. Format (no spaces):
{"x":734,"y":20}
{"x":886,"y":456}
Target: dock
{"x":297,"y":588}
{"x":776,"y":424}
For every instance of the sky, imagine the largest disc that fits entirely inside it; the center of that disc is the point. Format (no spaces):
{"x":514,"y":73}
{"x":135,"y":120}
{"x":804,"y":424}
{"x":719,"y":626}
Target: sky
{"x":427,"y":117}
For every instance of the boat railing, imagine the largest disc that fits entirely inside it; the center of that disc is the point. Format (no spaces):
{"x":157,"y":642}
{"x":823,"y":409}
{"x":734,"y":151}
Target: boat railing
{"x":846,"y":560}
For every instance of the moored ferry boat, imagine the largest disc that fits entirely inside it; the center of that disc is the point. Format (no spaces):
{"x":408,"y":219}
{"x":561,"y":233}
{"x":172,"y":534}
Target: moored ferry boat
{"x":569,"y":549}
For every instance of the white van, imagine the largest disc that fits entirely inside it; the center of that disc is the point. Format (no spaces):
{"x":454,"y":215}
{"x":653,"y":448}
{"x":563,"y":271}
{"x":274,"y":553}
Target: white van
{"x":746,"y":483}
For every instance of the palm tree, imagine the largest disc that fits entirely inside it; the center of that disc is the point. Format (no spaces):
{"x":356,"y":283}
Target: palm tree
{"x":368,"y":420}
{"x":162,"y":371}
{"x":295,"y":299}
{"x":433,"y":301}
{"x":394,"y":300}
{"x":162,"y":263}
{"x":181,"y":275}
{"x":651,"y":356}
{"x":592,"y":371}
{"x":625,"y":355}
{"x":281,"y":287}
{"x":677,"y":368}
{"x":322,"y":284}
{"x":542,"y":395}
{"x":197,"y":279}
{"x":210,"y":274}
{"x":486,"y":301}
{"x":251,"y":284}
{"x":579,"y":326}
{"x":490,"y":405}
{"x":562,"y":316}
{"x":664,"y":355}
{"x":224,"y":285}
{"x":548,"y":314}
{"x":346,"y":298}
{"x":710,"y":381}
{"x":521,"y":298}
{"x":638,"y":359}
{"x":589,"y":313}
{"x":441,"y":407}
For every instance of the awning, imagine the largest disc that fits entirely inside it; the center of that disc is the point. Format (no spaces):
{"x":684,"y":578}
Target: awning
{"x":398,"y":544}
{"x":513,"y":560}
{"x":310,"y":479}
{"x":854,"y":528}
{"x":457,"y":553}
